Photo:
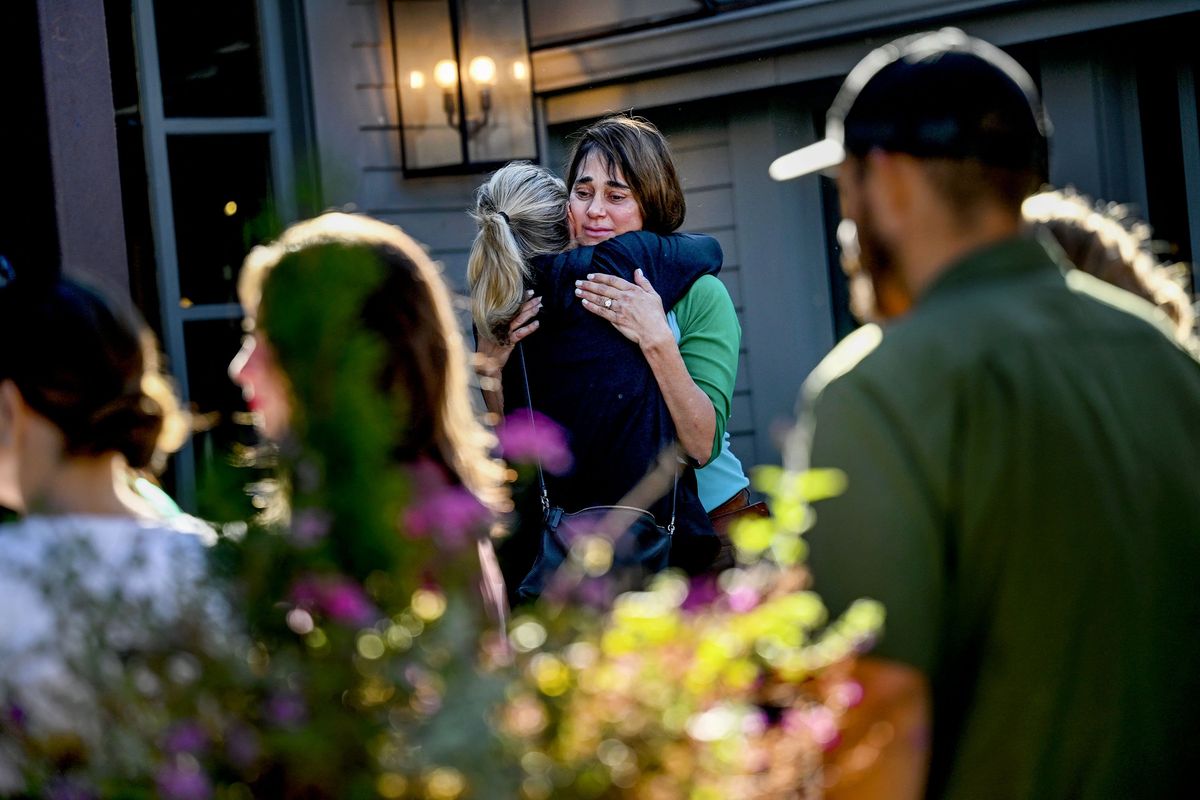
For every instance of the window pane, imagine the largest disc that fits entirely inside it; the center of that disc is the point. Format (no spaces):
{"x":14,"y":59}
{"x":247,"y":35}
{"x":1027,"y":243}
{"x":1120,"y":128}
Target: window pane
{"x":221,"y":192}
{"x":496,"y":83}
{"x":209,"y":58}
{"x":428,"y":79}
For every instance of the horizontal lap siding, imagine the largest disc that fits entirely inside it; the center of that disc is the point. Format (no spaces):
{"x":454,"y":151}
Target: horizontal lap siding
{"x":702,"y":156}
{"x":359,"y":136}
{"x":701,"y":145}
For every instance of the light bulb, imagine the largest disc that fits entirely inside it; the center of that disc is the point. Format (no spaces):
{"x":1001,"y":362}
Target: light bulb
{"x":445,"y":73}
{"x":520,"y":70}
{"x":482,"y":70}
{"x":416,"y":79}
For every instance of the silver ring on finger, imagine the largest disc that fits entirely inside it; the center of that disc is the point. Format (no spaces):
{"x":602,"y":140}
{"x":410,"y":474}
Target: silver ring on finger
{"x":608,"y":303}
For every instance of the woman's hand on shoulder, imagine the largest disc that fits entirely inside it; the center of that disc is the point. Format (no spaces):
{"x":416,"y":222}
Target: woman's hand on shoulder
{"x":634,"y":309}
{"x":495,"y":355}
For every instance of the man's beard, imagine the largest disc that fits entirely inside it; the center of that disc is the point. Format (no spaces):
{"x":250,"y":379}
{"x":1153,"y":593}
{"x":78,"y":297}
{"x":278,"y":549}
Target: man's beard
{"x":870,"y":268}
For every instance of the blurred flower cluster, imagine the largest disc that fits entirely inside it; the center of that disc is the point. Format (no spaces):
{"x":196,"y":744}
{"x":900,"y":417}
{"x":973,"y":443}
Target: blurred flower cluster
{"x":342,"y":649}
{"x":714,"y":687}
{"x":348,"y":653}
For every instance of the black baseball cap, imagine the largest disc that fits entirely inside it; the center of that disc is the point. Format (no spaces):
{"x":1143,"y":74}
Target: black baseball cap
{"x":939,"y":94}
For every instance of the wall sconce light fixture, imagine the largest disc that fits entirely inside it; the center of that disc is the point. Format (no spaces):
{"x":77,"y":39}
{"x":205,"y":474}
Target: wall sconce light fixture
{"x":462,"y":84}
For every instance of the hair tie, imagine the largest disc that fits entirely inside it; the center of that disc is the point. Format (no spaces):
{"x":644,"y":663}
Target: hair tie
{"x":507,"y":221}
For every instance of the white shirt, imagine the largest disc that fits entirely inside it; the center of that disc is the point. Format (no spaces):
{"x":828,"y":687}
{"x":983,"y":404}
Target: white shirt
{"x":70,"y":580}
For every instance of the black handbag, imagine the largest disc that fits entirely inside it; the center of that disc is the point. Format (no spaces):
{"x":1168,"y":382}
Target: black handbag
{"x":640,"y":546}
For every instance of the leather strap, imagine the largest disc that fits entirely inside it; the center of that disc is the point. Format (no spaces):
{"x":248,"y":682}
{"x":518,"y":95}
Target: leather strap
{"x":545,"y":496}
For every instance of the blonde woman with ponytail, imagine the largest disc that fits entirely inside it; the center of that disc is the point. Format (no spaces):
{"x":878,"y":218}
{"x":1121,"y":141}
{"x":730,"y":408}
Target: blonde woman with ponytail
{"x":583,"y":373}
{"x":521,"y":213}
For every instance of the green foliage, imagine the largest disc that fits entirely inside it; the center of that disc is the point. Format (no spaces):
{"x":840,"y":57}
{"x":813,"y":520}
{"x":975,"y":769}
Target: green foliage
{"x":728,"y":688}
{"x":354,"y":660}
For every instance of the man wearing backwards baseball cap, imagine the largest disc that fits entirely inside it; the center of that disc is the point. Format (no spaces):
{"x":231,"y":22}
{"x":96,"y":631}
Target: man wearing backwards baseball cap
{"x":1022,"y":450}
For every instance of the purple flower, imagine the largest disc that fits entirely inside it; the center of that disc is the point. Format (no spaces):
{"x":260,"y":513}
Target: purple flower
{"x":310,"y":526}
{"x":17,"y":716}
{"x":702,"y":591}
{"x":524,"y":440}
{"x":286,"y":710}
{"x":67,"y":789}
{"x":185,"y":737}
{"x":242,"y":745}
{"x":341,"y":599}
{"x":596,"y":592}
{"x":346,"y":602}
{"x":179,"y":782}
{"x":451,"y":515}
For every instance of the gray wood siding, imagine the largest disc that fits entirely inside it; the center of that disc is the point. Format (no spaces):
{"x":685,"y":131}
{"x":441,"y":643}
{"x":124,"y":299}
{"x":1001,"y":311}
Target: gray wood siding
{"x":358,"y":136}
{"x":558,"y":20}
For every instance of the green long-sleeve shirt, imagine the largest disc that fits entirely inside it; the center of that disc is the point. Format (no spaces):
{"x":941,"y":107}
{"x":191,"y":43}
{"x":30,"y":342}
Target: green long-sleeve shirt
{"x":709,"y":340}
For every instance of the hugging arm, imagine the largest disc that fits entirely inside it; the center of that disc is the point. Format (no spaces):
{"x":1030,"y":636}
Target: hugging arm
{"x":490,"y":357}
{"x":673,"y":264}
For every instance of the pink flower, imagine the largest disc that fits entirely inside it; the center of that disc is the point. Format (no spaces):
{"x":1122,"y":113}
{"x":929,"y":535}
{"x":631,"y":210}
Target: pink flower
{"x":847,"y":694}
{"x":346,"y":602}
{"x":702,"y":591}
{"x":755,"y":723}
{"x":523,"y":440}
{"x":451,"y":515}
{"x":341,"y":599}
{"x":817,"y":721}
{"x":743,"y":599}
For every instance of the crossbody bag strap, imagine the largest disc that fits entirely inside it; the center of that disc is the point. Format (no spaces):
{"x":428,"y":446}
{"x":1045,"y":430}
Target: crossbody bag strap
{"x":545,"y":495}
{"x":674,"y":500}
{"x":533,"y":427}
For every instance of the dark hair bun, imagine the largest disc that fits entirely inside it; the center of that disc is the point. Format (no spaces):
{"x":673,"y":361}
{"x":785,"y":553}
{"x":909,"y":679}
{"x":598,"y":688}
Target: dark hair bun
{"x":94,"y":372}
{"x":130,"y":426}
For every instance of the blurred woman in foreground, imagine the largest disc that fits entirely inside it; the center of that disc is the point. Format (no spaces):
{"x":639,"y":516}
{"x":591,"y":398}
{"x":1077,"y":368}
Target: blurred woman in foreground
{"x":356,"y":368}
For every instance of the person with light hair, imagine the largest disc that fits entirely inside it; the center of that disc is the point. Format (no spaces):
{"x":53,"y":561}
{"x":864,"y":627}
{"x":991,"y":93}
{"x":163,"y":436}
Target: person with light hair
{"x":1106,"y":240}
{"x":397,"y":307}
